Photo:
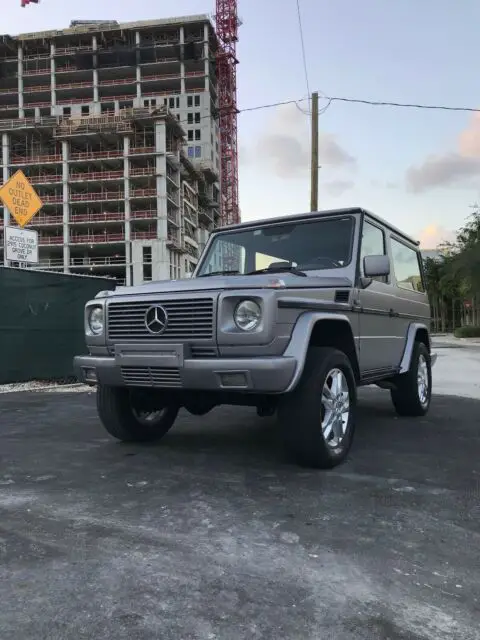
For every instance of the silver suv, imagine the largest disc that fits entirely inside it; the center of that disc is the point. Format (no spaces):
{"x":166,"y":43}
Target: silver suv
{"x":289,"y":315}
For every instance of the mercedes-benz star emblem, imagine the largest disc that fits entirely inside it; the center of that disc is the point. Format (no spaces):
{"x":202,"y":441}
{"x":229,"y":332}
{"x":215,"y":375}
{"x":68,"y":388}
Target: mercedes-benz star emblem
{"x":156,"y":319}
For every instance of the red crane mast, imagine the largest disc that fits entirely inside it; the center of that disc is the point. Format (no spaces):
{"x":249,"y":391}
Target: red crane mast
{"x":227,"y":24}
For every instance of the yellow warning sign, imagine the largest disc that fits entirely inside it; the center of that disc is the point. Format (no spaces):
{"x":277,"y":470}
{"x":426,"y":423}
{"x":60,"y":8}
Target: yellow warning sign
{"x":20,"y":198}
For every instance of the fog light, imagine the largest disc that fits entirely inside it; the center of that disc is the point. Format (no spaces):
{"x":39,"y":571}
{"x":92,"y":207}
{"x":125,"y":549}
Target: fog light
{"x":89,"y":375}
{"x":233,"y":379}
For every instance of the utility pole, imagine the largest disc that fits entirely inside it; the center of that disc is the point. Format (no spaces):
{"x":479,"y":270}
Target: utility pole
{"x":314,"y":167}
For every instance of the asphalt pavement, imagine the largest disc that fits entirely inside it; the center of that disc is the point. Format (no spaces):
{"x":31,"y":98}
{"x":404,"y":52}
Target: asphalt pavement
{"x":212,"y":535}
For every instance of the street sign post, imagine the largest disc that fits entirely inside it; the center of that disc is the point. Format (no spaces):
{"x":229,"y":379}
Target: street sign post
{"x":20,"y":198}
{"x":21,"y":245}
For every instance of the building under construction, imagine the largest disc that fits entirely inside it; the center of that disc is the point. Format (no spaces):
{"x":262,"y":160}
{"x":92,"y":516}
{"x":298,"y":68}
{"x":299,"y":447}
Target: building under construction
{"x":115,"y":126}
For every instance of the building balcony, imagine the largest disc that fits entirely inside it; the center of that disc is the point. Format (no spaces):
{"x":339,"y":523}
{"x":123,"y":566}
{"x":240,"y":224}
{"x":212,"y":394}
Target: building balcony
{"x":117,"y":81}
{"x":85,"y":218}
{"x":148,"y":171}
{"x":68,"y":86}
{"x":141,"y":150}
{"x":97,"y":196}
{"x":144,"y":235}
{"x":7,"y":90}
{"x":96,"y":155}
{"x":53,"y":263}
{"x":39,"y":159}
{"x":50,"y":240}
{"x":40,"y":221}
{"x":143,"y":193}
{"x":45,"y":88}
{"x":97,"y":238}
{"x":98,"y":261}
{"x":146,"y":214}
{"x":46,"y":71}
{"x":96,"y":176}
{"x":48,"y":199}
{"x":70,"y":51}
{"x":46,"y":178}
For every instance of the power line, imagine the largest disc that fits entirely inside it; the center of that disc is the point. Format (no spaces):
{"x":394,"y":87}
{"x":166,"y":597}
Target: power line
{"x":302,"y":42}
{"x":403,"y":105}
{"x":331,"y":99}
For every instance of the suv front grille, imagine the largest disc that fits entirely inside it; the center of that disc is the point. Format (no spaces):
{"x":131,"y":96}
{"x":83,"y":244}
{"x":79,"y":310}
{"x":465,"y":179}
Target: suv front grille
{"x":187,"y":320}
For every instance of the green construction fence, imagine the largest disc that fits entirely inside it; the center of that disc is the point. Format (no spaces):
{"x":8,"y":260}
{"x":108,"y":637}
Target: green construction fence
{"x":41,"y":322}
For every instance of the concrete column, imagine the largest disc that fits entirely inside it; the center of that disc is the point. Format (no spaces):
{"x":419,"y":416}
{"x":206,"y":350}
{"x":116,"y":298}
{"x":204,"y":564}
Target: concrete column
{"x":128,"y":232}
{"x":95,"y":69}
{"x":206,"y":52}
{"x":21,"y":111}
{"x":138,"y":67}
{"x":66,"y":208}
{"x":161,"y":261}
{"x":5,"y":176}
{"x":53,"y":80}
{"x":182,"y":64}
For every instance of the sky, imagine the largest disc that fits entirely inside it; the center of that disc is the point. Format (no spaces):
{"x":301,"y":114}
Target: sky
{"x":419,"y":169}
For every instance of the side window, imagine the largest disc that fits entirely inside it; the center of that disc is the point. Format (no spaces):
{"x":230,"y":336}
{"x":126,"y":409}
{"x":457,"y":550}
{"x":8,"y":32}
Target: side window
{"x":406,"y":267}
{"x":373,"y":244}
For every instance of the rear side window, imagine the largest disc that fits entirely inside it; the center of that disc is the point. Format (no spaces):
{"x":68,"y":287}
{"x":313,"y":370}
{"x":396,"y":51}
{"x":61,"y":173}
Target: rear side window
{"x":406,"y":267}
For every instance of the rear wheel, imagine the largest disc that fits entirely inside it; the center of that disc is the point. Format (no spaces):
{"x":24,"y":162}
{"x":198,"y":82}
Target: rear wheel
{"x":124,"y":417}
{"x":413,"y":390}
{"x":318,"y":417}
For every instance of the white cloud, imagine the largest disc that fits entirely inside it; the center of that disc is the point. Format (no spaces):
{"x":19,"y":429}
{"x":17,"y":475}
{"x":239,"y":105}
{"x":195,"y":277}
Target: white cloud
{"x":338,"y":187}
{"x":285,"y":145}
{"x":433,"y":235}
{"x":450,"y":169}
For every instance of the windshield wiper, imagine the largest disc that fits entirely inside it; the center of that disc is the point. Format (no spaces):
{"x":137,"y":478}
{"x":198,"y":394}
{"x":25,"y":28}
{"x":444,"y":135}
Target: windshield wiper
{"x":287,"y":268}
{"x":219,"y":273}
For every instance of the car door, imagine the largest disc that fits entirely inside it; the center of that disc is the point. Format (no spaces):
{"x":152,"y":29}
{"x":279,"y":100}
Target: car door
{"x":378,"y":339}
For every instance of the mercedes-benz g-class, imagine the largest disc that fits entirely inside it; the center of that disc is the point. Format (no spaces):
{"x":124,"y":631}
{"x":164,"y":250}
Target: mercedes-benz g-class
{"x":289,"y":315}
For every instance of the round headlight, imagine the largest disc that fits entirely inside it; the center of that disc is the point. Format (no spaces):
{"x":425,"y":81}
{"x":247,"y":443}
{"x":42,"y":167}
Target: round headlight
{"x":247,"y":315}
{"x":95,"y":320}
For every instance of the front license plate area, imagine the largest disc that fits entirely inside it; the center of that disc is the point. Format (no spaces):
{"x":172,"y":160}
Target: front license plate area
{"x":165,"y":355}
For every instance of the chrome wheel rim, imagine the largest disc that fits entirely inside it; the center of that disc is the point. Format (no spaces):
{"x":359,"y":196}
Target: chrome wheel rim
{"x":335,"y":407}
{"x":422,"y":380}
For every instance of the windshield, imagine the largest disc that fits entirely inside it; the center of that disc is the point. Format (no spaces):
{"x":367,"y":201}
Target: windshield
{"x":319,"y":244}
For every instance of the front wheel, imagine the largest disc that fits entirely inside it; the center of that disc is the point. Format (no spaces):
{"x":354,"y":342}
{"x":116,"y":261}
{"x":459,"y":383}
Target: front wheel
{"x":124,"y":418}
{"x":318,"y":418}
{"x":413,"y":390}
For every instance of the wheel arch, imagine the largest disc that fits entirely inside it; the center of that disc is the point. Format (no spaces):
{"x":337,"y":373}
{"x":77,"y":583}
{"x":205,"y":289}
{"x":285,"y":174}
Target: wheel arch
{"x":321,"y":330}
{"x":417,"y":332}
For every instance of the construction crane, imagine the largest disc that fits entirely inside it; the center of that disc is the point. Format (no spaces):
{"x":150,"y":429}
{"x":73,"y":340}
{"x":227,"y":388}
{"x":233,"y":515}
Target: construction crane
{"x":227,"y":24}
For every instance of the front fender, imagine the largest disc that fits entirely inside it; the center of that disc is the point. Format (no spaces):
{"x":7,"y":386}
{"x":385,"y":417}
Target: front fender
{"x":300,"y":340}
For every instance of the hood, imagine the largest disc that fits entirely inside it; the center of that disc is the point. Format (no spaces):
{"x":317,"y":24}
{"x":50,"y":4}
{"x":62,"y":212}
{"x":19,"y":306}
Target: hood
{"x":217,"y":283}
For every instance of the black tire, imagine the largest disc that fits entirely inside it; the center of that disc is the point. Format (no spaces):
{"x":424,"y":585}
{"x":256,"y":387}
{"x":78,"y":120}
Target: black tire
{"x":119,"y":418}
{"x":406,"y":395}
{"x":300,"y":412}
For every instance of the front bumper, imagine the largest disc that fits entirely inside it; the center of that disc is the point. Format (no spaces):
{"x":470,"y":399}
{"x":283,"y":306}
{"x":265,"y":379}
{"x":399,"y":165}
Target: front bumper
{"x":255,"y":375}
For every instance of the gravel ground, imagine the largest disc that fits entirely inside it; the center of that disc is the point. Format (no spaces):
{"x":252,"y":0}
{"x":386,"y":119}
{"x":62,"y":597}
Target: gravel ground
{"x":211,"y":535}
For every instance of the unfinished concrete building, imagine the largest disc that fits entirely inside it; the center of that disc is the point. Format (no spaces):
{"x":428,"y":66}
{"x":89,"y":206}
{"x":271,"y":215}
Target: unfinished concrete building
{"x":115,"y":126}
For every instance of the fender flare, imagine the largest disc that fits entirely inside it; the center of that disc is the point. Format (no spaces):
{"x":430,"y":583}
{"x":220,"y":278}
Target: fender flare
{"x":409,"y":344}
{"x":300,"y":340}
